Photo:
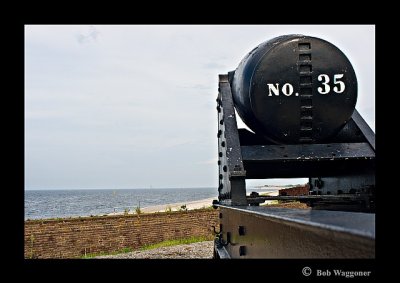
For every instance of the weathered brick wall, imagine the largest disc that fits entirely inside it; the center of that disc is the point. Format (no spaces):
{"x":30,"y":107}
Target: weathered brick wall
{"x":73,"y":237}
{"x":295,"y":191}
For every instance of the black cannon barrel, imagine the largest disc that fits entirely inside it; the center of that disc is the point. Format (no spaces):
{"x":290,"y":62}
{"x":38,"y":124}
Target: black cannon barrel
{"x":295,"y":89}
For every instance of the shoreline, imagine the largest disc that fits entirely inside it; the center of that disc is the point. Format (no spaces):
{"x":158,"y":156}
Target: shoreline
{"x":190,"y":205}
{"x":196,"y":204}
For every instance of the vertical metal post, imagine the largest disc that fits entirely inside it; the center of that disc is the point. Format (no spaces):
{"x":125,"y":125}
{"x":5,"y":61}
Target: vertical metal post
{"x":232,"y":186}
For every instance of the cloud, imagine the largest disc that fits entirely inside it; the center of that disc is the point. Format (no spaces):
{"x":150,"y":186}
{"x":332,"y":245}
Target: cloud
{"x":196,"y":86}
{"x":89,"y":35}
{"x":214,"y":65}
{"x":211,"y":161}
{"x":144,"y":96}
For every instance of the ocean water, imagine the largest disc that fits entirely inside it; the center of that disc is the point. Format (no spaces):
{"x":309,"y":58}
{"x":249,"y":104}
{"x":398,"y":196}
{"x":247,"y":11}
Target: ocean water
{"x":69,"y":203}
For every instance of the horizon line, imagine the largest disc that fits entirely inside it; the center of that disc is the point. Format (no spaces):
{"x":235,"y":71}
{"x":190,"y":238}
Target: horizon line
{"x":136,"y":188}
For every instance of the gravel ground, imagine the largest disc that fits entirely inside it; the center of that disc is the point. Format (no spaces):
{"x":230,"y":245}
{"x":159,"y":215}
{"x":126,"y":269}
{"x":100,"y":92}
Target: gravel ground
{"x":187,"y":251}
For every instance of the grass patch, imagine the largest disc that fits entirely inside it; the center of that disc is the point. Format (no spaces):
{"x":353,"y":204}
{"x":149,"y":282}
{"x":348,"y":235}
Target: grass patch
{"x":169,"y":243}
{"x":209,"y":207}
{"x":138,"y":210}
{"x":92,"y":255}
{"x":272,"y":202}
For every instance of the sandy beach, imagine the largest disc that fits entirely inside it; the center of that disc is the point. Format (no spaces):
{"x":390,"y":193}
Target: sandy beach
{"x":203,"y":203}
{"x":197,"y":204}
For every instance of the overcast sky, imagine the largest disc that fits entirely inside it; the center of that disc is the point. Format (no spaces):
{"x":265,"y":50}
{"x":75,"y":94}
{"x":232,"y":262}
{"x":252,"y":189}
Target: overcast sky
{"x":134,"y":106}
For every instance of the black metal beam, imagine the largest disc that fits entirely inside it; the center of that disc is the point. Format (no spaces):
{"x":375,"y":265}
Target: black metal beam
{"x":364,"y":128}
{"x":306,"y":160}
{"x":231,"y":171}
{"x":307,"y":152}
{"x":262,"y":232}
{"x":261,"y":199}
